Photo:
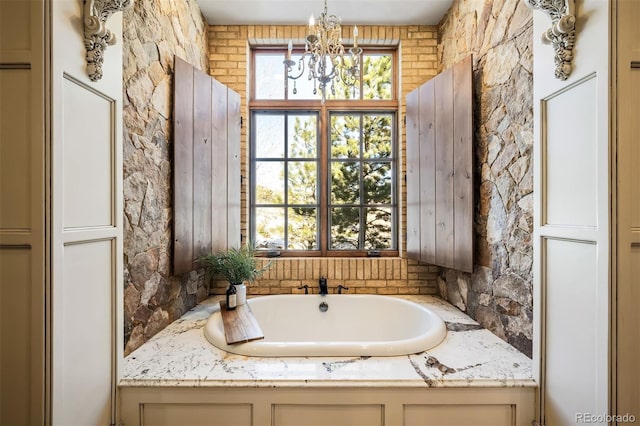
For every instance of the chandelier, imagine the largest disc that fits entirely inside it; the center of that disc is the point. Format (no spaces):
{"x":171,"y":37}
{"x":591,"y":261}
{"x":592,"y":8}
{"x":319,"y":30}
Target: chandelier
{"x":325,"y":56}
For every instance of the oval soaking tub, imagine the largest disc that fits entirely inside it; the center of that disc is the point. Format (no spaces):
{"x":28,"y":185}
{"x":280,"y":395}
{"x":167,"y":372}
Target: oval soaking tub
{"x":353,"y":325}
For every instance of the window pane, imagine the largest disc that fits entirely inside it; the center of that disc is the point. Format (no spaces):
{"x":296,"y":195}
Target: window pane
{"x":303,"y":136}
{"x":345,"y":228}
{"x":377,"y":71}
{"x":378,"y":229}
{"x":345,"y":136}
{"x":377,"y":136}
{"x":269,"y":135}
{"x":269,"y":75}
{"x":345,"y":182}
{"x":303,"y":188}
{"x":377,"y":183}
{"x":269,"y":228}
{"x":303,"y":228}
{"x":269,"y":182}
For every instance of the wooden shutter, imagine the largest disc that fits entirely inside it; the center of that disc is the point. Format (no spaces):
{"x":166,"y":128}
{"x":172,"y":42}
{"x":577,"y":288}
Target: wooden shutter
{"x":206,"y":190}
{"x":440,"y":169}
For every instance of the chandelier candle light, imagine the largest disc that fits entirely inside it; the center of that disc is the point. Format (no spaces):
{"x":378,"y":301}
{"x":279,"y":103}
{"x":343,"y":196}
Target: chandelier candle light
{"x":325,"y":56}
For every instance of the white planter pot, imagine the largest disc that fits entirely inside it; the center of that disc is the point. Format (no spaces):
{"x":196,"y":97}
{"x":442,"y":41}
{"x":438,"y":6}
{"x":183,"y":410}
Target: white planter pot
{"x":241,"y":294}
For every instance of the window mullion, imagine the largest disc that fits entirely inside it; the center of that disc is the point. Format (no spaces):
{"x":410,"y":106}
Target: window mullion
{"x":286,"y":180}
{"x":362,"y":215}
{"x":324,"y":184}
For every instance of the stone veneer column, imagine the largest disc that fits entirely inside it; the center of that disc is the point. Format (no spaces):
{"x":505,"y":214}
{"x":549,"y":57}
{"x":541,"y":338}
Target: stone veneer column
{"x":154,"y":31}
{"x":499,"y":292}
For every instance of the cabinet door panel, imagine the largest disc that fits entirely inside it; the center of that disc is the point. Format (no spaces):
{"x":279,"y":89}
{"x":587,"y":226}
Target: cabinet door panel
{"x":322,"y":415}
{"x":458,"y":415}
{"x":196,"y":415}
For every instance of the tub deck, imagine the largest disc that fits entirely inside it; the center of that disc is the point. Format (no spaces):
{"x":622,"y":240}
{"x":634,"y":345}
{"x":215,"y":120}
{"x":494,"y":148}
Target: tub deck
{"x":470,"y":356}
{"x":478,"y":367}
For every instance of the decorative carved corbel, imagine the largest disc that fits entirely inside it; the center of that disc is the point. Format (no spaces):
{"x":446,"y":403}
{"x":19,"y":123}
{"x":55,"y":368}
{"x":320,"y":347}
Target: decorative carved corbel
{"x":562,"y":34}
{"x":96,"y":34}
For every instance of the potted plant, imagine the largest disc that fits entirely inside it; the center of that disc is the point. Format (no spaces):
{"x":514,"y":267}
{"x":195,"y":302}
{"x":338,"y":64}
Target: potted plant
{"x":237,"y":266}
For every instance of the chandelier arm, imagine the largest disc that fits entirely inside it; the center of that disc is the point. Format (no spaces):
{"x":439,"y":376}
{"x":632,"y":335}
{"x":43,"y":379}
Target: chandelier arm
{"x":289,"y":66}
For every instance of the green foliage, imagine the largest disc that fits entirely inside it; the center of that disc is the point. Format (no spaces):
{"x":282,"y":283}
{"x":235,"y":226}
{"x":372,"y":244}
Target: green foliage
{"x":377,"y":75}
{"x":265,"y":193}
{"x":236,"y":265}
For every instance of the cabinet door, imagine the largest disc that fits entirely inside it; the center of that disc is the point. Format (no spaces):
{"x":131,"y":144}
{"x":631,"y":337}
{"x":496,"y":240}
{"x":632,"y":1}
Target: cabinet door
{"x":322,"y":415}
{"x":458,"y":415}
{"x":22,"y":213}
{"x":86,"y":223}
{"x":572,"y":210}
{"x":628,"y":286}
{"x":196,"y":415}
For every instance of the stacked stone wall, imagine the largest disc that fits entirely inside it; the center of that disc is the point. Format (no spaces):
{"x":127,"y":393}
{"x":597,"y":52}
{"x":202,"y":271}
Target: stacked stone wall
{"x":154,"y":31}
{"x":499,"y":292}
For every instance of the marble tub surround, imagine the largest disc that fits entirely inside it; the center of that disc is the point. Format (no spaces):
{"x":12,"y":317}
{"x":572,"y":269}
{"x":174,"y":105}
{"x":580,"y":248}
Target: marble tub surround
{"x":470,"y":356}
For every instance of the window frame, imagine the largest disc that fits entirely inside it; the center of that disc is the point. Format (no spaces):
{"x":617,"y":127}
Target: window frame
{"x":360,"y":106}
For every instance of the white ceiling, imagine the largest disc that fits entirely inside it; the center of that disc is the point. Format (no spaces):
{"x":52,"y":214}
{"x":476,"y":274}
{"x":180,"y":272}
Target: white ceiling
{"x":297,"y":12}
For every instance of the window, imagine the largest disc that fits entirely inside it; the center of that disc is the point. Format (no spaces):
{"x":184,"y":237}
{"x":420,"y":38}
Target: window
{"x":285,"y":196}
{"x":361,"y":183}
{"x":323,"y":176}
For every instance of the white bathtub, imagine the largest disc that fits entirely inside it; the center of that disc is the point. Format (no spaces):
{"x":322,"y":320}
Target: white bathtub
{"x":353,"y":325}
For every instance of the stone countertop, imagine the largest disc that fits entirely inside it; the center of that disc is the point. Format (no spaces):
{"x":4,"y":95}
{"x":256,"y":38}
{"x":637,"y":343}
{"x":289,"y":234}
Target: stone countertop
{"x":470,"y":356}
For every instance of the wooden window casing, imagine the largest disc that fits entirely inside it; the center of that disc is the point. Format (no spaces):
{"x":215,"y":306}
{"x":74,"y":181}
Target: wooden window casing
{"x":324,"y":111}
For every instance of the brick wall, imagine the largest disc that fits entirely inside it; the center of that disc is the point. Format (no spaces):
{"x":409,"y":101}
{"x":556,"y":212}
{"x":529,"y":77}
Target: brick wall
{"x":229,"y":52}
{"x":360,"y":275}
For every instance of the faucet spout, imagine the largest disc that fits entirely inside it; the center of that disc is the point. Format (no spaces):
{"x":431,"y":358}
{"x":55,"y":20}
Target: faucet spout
{"x":323,"y":286}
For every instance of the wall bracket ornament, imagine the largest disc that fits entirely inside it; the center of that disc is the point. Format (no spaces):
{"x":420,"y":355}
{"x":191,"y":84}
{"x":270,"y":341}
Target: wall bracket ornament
{"x":561,"y":34}
{"x":96,"y":34}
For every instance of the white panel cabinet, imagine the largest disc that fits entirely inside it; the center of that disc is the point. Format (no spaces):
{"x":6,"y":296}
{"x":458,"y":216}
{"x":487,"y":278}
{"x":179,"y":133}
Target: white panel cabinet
{"x":572,"y":219}
{"x":86,"y":222}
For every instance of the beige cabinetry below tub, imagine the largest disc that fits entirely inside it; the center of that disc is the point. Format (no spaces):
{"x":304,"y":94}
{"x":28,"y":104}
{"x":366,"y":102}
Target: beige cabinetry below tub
{"x":323,"y":406}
